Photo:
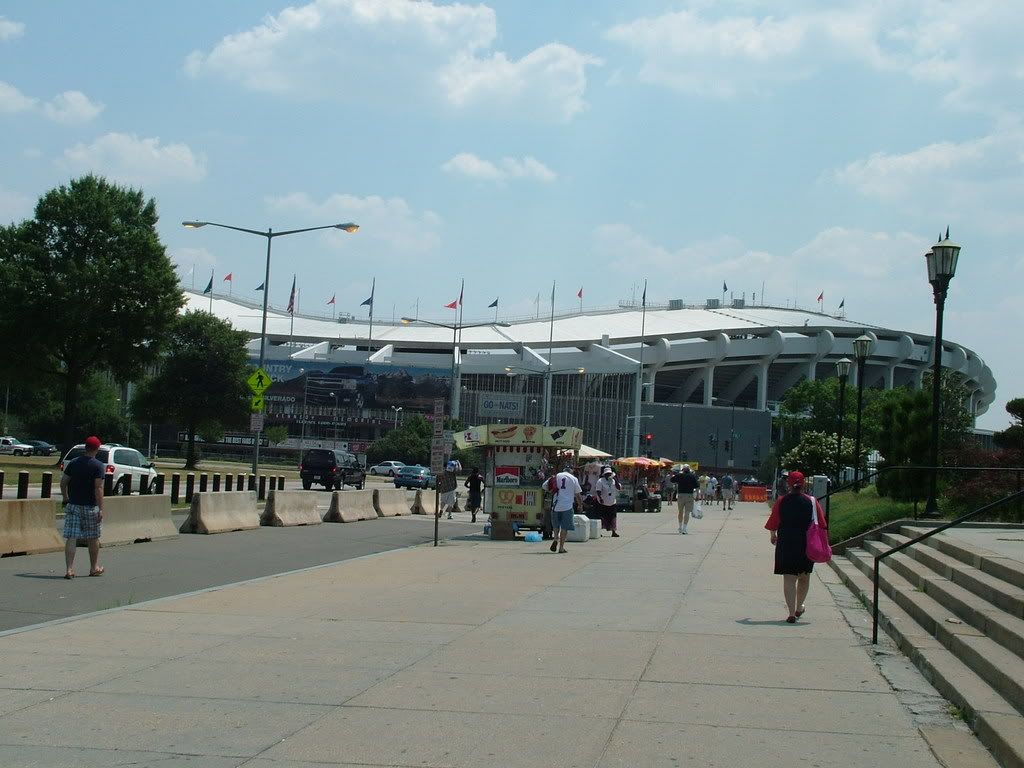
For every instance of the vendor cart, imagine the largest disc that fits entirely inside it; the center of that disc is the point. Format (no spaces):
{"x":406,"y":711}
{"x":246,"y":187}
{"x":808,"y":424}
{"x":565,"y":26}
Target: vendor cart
{"x":518,"y":458}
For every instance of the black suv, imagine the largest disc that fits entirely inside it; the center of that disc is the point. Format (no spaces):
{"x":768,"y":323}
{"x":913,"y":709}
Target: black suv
{"x":331,"y":469}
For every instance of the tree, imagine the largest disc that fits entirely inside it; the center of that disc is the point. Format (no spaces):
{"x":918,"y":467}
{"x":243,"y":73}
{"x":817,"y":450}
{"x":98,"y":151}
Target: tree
{"x":1012,"y":438}
{"x":276,"y":435}
{"x":87,"y":286}
{"x":815,"y":454}
{"x":201,"y":380}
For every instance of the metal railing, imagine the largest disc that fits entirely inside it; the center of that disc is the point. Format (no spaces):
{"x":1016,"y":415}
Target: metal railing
{"x":899,"y":548}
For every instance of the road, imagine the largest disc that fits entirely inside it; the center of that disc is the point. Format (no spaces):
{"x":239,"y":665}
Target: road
{"x":33,"y":590}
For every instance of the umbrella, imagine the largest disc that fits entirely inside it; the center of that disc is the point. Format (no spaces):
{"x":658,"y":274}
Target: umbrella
{"x":637,"y":461}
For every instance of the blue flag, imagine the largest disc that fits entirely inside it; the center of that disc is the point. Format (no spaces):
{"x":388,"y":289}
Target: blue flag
{"x":209,"y":287}
{"x":493,"y":304}
{"x":259,"y":287}
{"x":724,"y":287}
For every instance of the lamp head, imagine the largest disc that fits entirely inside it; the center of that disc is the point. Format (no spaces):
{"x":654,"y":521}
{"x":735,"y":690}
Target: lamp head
{"x":843,"y":367}
{"x":862,"y":346}
{"x":347,"y":227}
{"x":406,"y":320}
{"x":941,"y":259}
{"x":193,"y":224}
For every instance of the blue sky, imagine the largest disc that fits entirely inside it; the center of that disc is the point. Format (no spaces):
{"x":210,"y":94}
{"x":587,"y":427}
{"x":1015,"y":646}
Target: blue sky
{"x":810,"y":147}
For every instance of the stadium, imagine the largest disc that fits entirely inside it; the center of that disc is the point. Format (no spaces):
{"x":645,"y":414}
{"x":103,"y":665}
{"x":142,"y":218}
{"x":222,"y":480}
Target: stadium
{"x":708,"y":372}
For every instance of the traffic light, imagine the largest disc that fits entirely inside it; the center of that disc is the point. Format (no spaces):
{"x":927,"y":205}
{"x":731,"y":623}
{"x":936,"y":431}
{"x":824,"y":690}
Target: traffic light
{"x":711,"y":439}
{"x":648,"y":438}
{"x":726,"y":446}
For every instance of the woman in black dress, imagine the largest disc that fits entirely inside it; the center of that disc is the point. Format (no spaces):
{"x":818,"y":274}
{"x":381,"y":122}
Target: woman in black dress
{"x":788,"y":523}
{"x":475,"y":483}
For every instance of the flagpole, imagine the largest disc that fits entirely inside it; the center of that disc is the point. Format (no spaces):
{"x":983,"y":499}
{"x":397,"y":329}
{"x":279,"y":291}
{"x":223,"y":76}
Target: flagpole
{"x":456,"y":412}
{"x":763,"y":303}
{"x":193,"y":277}
{"x":369,"y":341}
{"x":640,"y":375}
{"x":211,"y":291}
{"x":291,"y":325}
{"x":547,"y":373}
{"x":495,"y":311}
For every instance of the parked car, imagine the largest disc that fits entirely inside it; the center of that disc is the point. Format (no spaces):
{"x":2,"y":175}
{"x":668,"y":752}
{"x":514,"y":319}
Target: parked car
{"x":41,"y":447}
{"x":389,"y":468}
{"x":14,"y":446}
{"x":414,"y":477}
{"x":124,"y":465}
{"x":331,"y":469}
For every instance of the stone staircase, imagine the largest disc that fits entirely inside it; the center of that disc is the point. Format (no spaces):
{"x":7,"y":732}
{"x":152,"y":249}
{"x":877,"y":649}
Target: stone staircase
{"x":958,"y":613}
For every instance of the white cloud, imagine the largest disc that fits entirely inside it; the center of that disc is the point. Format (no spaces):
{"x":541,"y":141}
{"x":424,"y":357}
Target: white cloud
{"x":10,"y":29}
{"x":71,"y":107}
{"x":12,"y":100}
{"x":468,"y":164}
{"x":387,"y":226}
{"x":133,"y":160}
{"x":396,"y":49}
{"x":968,"y":47}
{"x":979,"y":180}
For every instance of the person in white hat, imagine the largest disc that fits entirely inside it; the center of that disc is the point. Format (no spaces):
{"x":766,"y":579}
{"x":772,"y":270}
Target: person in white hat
{"x":687,"y":485}
{"x":607,"y":491}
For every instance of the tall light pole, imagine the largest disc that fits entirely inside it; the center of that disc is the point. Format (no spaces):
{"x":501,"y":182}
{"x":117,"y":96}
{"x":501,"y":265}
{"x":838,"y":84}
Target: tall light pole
{"x":270,"y":235}
{"x":454,"y":328}
{"x":941,"y":260}
{"x":337,"y":407}
{"x":861,"y":349}
{"x":396,"y":409}
{"x":732,"y":431}
{"x":515,"y":370}
{"x":843,"y":373}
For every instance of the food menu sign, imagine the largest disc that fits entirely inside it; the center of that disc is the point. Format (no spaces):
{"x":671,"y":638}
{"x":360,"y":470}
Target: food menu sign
{"x":520,"y":434}
{"x":519,"y":505}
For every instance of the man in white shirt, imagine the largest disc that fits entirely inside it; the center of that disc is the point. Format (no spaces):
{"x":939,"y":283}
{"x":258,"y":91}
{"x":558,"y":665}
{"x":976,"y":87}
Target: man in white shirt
{"x":607,"y":492}
{"x":567,"y":496}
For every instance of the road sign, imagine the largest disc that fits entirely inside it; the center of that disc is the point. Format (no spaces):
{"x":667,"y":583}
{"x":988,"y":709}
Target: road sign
{"x":448,"y":436}
{"x":438,"y":454}
{"x":256,"y":422}
{"x":438,"y":417}
{"x":258,"y":381}
{"x":256,"y":404}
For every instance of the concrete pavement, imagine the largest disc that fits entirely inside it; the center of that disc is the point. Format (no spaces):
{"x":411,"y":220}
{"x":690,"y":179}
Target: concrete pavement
{"x":653,"y":649}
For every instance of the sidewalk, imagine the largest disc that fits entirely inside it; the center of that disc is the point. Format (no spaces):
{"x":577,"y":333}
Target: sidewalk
{"x":653,"y":649}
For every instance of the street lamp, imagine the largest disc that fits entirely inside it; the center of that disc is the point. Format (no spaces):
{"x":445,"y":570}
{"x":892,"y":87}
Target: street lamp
{"x":548,"y":373}
{"x":396,"y":409}
{"x":843,"y":367}
{"x":861,"y":348}
{"x":270,"y":235}
{"x":454,"y":328}
{"x":337,"y":408}
{"x":732,"y":431}
{"x":941,"y":260}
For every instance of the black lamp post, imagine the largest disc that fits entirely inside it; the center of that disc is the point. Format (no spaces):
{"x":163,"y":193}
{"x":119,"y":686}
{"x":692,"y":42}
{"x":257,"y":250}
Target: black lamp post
{"x":941,"y":260}
{"x":861,"y":348}
{"x":843,"y":372}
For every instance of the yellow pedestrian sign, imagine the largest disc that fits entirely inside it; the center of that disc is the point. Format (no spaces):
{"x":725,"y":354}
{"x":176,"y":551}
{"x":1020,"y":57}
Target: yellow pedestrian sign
{"x":259,"y":382}
{"x":256,"y":404}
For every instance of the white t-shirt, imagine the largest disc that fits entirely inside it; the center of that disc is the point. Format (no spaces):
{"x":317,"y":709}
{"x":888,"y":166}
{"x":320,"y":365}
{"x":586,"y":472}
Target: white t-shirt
{"x":607,"y":493}
{"x":566,"y":488}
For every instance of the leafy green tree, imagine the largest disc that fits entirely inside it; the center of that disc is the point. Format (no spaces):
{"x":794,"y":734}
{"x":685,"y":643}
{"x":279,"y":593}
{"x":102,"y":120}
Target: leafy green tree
{"x":276,"y":435}
{"x":1012,"y":438}
{"x":815,"y":454}
{"x":87,"y":286}
{"x":201,"y":380}
{"x":410,"y":444}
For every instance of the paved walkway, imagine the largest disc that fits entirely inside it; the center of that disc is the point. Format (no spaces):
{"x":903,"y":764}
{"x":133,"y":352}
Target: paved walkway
{"x":653,"y":649}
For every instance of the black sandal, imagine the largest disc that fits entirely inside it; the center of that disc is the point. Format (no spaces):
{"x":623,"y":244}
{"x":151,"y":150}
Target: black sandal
{"x":554,"y":545}
{"x":791,"y":620}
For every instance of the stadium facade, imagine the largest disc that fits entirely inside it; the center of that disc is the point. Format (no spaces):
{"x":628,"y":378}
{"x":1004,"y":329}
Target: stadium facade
{"x":704,"y":369}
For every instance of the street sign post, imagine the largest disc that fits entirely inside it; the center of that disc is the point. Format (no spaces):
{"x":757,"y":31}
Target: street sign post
{"x":256,"y":422}
{"x":256,"y":404}
{"x":258,"y":381}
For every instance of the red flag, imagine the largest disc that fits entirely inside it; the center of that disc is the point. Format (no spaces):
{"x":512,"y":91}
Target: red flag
{"x":821,"y":296}
{"x":579,"y":293}
{"x":332,"y":299}
{"x":227,"y":277}
{"x":453,"y":305}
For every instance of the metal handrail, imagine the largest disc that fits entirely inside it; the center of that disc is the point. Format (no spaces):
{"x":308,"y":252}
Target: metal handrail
{"x":922,"y":537}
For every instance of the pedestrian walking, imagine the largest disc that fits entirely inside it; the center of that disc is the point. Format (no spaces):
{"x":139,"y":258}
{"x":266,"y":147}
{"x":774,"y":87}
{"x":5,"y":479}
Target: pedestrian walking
{"x":607,"y":492}
{"x":567,"y":496}
{"x":702,"y":493}
{"x":668,"y":487}
{"x":728,"y":486}
{"x":446,"y":485}
{"x":81,"y":489}
{"x":686,"y":486}
{"x":712,"y":489}
{"x":475,"y":483}
{"x":790,"y":518}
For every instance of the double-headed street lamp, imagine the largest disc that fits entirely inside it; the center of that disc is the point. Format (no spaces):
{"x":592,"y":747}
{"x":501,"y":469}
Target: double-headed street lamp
{"x":843,"y":373}
{"x":513,"y":370}
{"x":941,"y":260}
{"x":397,"y":409}
{"x":861,"y":350}
{"x":454,"y":328}
{"x":270,"y":235}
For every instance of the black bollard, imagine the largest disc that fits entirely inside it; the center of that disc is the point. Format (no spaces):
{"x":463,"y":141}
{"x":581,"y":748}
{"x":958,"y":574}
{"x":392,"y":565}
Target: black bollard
{"x":203,"y":484}
{"x":262,"y":493}
{"x":216,"y":482}
{"x":108,"y":485}
{"x":252,"y":482}
{"x":1,"y":483}
{"x":190,"y":487}
{"x":143,"y":485}
{"x":23,"y":484}
{"x":229,"y":482}
{"x":126,"y":485}
{"x":280,"y":482}
{"x":175,"y":487}
{"x":158,"y":484}
{"x":47,"y":486}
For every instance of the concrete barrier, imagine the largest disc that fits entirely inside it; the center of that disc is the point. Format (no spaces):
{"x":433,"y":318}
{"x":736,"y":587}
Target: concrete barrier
{"x":28,"y":526}
{"x":221,"y":512}
{"x":391,"y":502}
{"x":291,"y":508}
{"x":350,"y":506}
{"x":417,"y":504}
{"x":130,"y":519}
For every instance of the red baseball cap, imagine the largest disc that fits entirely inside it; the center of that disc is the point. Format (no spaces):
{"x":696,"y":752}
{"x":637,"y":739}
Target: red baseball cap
{"x":92,"y":442}
{"x":795,"y":478}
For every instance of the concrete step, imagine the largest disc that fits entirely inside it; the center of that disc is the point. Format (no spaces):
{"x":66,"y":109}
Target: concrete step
{"x":919,"y":567}
{"x":998,"y":726}
{"x":1005,"y":568}
{"x":1002,"y":669}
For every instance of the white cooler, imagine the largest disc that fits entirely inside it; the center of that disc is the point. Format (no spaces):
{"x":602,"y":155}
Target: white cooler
{"x":582,"y":526}
{"x":595,"y":529}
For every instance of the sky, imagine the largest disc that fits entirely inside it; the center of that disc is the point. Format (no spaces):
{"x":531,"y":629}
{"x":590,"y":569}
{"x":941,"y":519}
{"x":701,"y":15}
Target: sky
{"x":786,"y":148}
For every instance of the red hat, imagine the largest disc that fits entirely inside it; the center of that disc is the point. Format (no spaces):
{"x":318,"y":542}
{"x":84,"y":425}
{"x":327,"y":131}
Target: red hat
{"x":795,"y":479}
{"x":92,"y":443}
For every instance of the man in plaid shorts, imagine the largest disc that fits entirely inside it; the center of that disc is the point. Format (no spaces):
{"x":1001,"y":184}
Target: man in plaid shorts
{"x":81,"y":487}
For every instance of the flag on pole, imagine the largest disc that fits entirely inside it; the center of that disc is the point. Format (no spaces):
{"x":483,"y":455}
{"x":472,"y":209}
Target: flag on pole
{"x":369,"y":301}
{"x":461,"y":290}
{"x":842,"y":303}
{"x":821,"y":296}
{"x":333,"y":295}
{"x":209,"y":286}
{"x":493,"y":304}
{"x":643,"y":299}
{"x":227,"y":278}
{"x":260,"y":287}
{"x":291,"y":298}
{"x":452,"y":305}
{"x":725,"y":287}
{"x":579,"y":293}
